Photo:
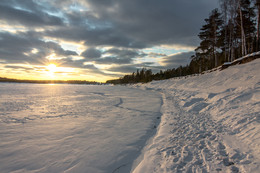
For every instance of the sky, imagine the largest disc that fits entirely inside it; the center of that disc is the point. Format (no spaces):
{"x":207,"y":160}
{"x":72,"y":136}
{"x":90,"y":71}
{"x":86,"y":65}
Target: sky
{"x":97,"y":40}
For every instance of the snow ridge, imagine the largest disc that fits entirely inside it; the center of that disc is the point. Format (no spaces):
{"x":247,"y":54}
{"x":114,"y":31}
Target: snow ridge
{"x":210,"y":123}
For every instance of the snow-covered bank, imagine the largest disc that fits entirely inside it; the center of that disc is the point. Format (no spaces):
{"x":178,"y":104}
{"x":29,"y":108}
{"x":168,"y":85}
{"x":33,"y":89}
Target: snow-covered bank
{"x":210,"y":123}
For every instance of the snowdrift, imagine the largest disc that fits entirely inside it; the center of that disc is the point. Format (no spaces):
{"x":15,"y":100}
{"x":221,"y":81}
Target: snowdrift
{"x":210,"y":123}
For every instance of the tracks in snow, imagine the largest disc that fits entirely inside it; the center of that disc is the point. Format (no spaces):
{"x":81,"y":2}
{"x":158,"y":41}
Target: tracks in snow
{"x":195,"y":143}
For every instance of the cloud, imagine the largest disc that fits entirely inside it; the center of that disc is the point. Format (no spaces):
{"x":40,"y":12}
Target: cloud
{"x":13,"y":47}
{"x":124,"y":69}
{"x":79,"y":64}
{"x":123,"y":52}
{"x":156,"y":22}
{"x":111,"y":56}
{"x":18,"y":67}
{"x":130,"y":68}
{"x":137,"y":23}
{"x":69,"y":62}
{"x":112,"y":32}
{"x":120,"y":23}
{"x":119,"y":56}
{"x":90,"y":68}
{"x":167,"y":62}
{"x":95,"y":37}
{"x":91,"y":53}
{"x":18,"y":48}
{"x":58,"y":49}
{"x":114,"y":60}
{"x":27,"y":18}
{"x":176,"y":60}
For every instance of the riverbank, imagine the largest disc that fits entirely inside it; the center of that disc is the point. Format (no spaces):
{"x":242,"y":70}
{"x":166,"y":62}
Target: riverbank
{"x":210,"y":123}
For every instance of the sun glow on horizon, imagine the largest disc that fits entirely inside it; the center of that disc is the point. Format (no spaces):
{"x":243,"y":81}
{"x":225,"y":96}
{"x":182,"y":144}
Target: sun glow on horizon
{"x":52,"y":68}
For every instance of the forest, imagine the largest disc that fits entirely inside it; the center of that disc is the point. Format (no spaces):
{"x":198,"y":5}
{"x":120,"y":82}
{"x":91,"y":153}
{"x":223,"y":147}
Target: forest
{"x":228,"y":33}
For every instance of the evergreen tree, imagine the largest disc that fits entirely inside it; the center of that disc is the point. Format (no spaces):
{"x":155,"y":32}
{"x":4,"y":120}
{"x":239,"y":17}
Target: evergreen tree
{"x":209,"y":35}
{"x":246,"y":28}
{"x":257,"y":3}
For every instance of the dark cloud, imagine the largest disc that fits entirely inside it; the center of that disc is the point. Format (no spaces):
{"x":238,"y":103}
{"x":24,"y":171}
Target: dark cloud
{"x":58,"y":49}
{"x":137,"y":23}
{"x":69,"y":62}
{"x":123,"y":52}
{"x":14,"y":46}
{"x":91,"y":53}
{"x":157,"y":54}
{"x":17,"y":48}
{"x":130,"y":68}
{"x":170,"y":62}
{"x":79,"y":19}
{"x":114,"y":60}
{"x":18,"y":67}
{"x":93,"y":69}
{"x":111,"y":56}
{"x":121,"y":23}
{"x":124,"y":68}
{"x":28,"y":18}
{"x":156,"y":22}
{"x":30,"y":5}
{"x":177,"y":60}
{"x":89,"y":68}
{"x":96,"y":37}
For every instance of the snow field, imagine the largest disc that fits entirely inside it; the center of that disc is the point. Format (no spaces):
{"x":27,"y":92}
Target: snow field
{"x":210,"y":123}
{"x":74,"y":128}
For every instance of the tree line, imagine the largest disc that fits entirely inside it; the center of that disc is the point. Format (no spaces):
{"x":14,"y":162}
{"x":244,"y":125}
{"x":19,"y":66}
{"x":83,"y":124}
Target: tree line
{"x":49,"y":81}
{"x":228,"y":33}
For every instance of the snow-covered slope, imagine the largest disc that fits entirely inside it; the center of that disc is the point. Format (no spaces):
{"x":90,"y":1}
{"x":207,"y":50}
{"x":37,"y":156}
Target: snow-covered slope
{"x":210,"y":123}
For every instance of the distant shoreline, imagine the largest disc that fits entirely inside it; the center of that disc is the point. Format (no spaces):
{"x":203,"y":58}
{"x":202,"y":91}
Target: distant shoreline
{"x":8,"y":80}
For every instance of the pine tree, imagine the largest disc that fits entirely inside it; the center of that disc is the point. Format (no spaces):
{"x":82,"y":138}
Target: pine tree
{"x":248,"y":16}
{"x":209,"y":35}
{"x":257,"y":3}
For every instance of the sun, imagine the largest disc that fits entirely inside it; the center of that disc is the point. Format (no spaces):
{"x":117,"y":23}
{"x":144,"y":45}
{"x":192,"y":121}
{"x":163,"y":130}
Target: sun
{"x":52,"y":68}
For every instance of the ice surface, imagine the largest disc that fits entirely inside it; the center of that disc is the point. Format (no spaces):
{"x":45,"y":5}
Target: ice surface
{"x":210,"y":123}
{"x":74,"y":128}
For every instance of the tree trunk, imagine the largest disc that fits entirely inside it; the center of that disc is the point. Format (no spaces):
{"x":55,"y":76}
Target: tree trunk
{"x":215,"y":44}
{"x":243,"y":38}
{"x":224,"y":7}
{"x":258,"y":21}
{"x":231,"y":42}
{"x":225,"y":44}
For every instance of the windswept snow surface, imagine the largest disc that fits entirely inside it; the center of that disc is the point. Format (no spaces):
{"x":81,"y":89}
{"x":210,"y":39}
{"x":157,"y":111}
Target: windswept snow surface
{"x":74,"y":128}
{"x":210,"y":123}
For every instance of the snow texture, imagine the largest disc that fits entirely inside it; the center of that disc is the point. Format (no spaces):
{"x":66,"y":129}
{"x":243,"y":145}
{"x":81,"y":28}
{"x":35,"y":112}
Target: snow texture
{"x":209,"y":123}
{"x":74,"y":128}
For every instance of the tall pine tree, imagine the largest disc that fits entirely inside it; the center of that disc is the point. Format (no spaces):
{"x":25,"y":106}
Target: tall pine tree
{"x":246,"y":28}
{"x":210,"y":35}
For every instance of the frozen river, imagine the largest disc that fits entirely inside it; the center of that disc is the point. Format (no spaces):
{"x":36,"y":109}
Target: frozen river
{"x":74,"y":128}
